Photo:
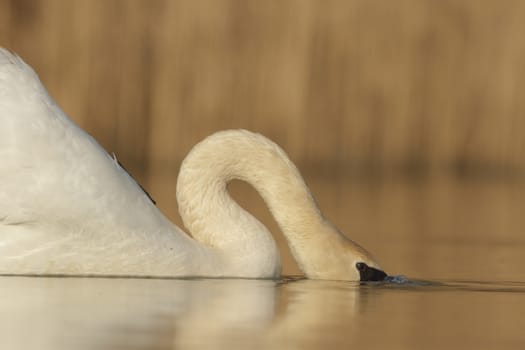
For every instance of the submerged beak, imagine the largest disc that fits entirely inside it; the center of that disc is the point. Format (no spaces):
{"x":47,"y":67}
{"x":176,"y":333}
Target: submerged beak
{"x":367,"y":273}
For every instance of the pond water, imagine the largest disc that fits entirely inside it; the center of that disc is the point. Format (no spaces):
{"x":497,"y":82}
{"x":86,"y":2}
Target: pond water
{"x":92,"y":313}
{"x":465,"y":240}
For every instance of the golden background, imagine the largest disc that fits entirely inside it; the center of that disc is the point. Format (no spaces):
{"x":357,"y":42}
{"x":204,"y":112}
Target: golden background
{"x":362,"y":90}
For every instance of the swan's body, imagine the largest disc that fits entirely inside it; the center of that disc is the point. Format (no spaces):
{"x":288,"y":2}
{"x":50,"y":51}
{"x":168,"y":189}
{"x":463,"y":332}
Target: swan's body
{"x":67,"y":207}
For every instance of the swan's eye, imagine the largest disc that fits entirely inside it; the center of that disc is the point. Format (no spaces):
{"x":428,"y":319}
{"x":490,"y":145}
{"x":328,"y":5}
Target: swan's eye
{"x":367,"y":273}
{"x":361,"y":266}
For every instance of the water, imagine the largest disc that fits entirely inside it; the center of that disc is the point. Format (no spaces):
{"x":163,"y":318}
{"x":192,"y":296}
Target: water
{"x":92,"y":313}
{"x":461,"y":246}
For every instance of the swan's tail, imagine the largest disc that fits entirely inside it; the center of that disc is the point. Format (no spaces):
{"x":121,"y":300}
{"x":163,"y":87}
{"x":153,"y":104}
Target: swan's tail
{"x":8,"y":57}
{"x":14,"y":70}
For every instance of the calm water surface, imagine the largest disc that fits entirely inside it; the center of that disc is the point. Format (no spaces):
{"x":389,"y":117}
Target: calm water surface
{"x":89,"y":313}
{"x":467,"y":239}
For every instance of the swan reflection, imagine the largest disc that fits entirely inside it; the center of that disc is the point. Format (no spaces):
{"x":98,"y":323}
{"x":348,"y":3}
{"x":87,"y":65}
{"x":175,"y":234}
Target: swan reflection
{"x":65,"y":313}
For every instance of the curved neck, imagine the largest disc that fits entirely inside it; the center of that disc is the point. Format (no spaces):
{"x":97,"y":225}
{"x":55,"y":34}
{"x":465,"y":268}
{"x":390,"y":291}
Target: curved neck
{"x":215,"y":219}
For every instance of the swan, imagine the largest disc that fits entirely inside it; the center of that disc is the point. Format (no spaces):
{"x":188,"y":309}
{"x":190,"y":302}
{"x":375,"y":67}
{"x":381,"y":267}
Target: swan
{"x":68,"y":208}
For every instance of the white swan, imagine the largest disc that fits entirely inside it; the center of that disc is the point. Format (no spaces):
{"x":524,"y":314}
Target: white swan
{"x":67,"y":207}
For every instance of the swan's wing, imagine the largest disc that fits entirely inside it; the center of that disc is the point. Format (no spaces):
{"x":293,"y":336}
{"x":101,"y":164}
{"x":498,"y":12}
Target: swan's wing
{"x":51,"y":171}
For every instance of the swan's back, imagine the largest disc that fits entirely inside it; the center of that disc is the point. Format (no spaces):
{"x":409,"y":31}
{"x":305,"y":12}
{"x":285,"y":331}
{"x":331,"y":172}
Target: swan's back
{"x":56,"y":182}
{"x":46,"y":157}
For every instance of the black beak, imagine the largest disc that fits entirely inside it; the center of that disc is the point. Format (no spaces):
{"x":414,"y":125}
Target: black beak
{"x":367,"y":273}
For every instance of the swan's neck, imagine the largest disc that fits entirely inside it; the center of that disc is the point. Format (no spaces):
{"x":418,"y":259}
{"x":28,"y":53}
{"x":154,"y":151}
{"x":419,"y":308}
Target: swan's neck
{"x":216,"y":220}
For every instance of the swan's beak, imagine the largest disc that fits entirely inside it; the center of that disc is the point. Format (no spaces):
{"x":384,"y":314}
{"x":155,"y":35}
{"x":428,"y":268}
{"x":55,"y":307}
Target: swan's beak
{"x":367,"y":273}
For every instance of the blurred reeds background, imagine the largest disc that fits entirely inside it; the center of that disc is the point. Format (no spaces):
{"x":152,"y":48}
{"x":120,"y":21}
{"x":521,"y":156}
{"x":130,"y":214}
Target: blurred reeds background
{"x":366,"y":90}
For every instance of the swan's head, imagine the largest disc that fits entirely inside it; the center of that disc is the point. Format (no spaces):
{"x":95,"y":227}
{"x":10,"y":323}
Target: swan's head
{"x":335,"y":257}
{"x":369,"y":273}
{"x":363,"y":266}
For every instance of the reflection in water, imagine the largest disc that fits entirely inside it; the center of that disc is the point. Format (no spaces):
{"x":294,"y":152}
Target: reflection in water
{"x":315,"y":314}
{"x":142,"y":313}
{"x":93,"y":313}
{"x":65,"y":313}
